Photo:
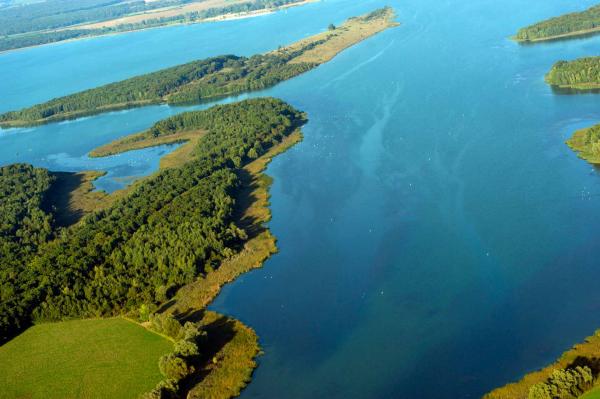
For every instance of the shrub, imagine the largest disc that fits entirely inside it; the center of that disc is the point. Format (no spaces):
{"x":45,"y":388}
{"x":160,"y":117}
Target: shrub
{"x":186,"y":348}
{"x":563,"y":384}
{"x":174,"y":367}
{"x":166,"y":324}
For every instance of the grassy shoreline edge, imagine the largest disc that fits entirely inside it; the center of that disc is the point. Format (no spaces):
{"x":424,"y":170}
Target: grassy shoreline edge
{"x":586,"y":354}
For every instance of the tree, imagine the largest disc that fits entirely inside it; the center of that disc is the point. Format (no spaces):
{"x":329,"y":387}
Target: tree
{"x":174,"y":367}
{"x":331,"y":27}
{"x":563,"y":384}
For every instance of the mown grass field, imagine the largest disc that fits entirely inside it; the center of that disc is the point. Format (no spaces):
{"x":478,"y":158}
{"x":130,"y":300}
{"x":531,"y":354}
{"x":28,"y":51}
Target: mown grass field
{"x":593,"y":394}
{"x":99,"y":358}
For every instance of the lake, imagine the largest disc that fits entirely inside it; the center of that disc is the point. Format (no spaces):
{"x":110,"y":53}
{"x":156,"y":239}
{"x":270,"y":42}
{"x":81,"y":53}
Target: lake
{"x":437,"y":237}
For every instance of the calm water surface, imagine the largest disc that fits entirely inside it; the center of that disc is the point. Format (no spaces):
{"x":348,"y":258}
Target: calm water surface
{"x":436,"y":235}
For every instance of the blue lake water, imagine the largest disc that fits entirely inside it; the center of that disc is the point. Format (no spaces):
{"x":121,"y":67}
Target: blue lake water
{"x":436,"y":236}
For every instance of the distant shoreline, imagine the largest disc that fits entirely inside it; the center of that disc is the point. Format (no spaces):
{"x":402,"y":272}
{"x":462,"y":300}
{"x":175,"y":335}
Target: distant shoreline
{"x":220,"y":18}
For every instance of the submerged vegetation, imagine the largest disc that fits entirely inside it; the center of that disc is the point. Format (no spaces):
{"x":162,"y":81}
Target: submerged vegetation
{"x":569,"y":25}
{"x":208,"y":78}
{"x":581,"y":74}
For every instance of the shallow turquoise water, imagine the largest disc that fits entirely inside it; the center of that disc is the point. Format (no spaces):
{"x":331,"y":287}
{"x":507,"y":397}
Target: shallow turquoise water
{"x":437,"y":238}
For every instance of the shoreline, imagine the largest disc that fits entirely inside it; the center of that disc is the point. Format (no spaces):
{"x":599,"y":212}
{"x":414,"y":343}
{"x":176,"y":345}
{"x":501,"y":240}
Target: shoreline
{"x":578,"y":145}
{"x":220,"y":18}
{"x":307,"y":53}
{"x":233,"y":346}
{"x":574,"y":89}
{"x":564,"y":36}
{"x":580,"y":354}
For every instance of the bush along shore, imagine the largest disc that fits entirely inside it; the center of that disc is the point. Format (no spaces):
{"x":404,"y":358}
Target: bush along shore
{"x":571,"y":376}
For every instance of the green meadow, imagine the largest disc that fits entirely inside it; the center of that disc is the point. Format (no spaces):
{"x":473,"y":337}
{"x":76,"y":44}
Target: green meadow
{"x":593,"y":394}
{"x":97,"y":358}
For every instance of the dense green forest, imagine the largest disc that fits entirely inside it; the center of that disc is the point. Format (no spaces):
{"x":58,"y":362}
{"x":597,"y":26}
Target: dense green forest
{"x":191,"y":82}
{"x":578,"y":74}
{"x":168,"y":230}
{"x":24,"y":226}
{"x":36,"y":39}
{"x":31,"y":27}
{"x":569,"y":24}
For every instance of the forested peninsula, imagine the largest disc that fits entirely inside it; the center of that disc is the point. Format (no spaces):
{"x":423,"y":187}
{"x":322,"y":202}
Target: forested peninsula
{"x":209,"y":78}
{"x":578,"y":75}
{"x":586,"y":142}
{"x":160,"y":252}
{"x":566,"y":26}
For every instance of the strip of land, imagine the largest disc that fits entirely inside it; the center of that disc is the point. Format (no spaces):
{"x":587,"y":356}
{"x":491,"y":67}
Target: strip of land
{"x":569,"y":375}
{"x":140,"y":141}
{"x":54,"y":22}
{"x":186,"y":13}
{"x":567,"y":26}
{"x":209,"y":78}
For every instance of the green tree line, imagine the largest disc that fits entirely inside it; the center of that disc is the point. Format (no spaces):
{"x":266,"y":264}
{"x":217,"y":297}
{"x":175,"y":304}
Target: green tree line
{"x":32,"y":36}
{"x":187,"y":83}
{"x":53,"y":14}
{"x":581,"y":72}
{"x":170,"y":229}
{"x":184,"y":359}
{"x":562,"y":25}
